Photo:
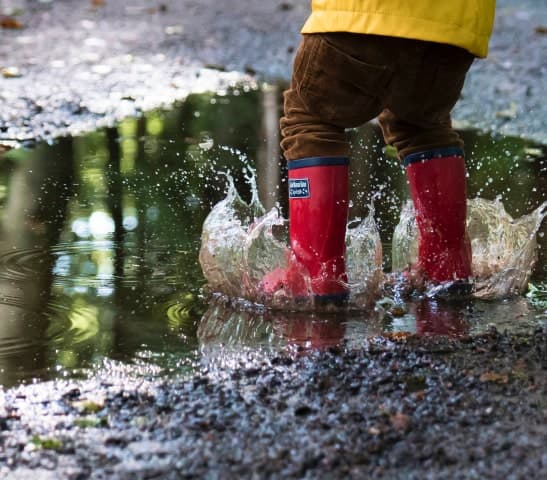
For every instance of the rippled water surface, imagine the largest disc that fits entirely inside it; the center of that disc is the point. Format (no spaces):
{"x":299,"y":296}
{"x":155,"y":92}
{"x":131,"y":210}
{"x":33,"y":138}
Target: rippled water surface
{"x":100,"y":234}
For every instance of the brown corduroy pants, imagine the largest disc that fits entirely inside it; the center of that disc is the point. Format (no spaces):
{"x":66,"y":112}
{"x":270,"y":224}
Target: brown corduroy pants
{"x":342,"y":80}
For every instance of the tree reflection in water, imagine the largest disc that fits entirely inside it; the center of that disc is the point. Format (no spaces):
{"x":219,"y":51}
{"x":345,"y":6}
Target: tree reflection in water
{"x":100,"y":234}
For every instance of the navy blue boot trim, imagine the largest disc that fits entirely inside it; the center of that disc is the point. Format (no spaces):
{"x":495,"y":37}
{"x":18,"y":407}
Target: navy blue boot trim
{"x":430,"y":154}
{"x":317,"y":162}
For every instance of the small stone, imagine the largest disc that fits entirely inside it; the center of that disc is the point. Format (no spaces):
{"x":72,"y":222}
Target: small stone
{"x":302,"y":410}
{"x":400,"y":422}
{"x":494,"y":377}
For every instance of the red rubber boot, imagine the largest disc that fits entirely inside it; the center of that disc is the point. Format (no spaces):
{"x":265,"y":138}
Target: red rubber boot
{"x":438,"y":190}
{"x":318,"y":215}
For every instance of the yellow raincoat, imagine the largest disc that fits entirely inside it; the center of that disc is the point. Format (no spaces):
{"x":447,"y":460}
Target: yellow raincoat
{"x":464,"y":23}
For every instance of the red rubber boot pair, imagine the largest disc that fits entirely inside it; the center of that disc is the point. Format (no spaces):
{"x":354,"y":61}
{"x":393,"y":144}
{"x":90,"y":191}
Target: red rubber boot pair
{"x":318,"y":215}
{"x":438,"y":190}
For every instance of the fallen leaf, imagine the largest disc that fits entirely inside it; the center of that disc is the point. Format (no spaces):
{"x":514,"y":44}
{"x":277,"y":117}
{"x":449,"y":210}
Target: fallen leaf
{"x":9,"y":22}
{"x":397,"y":336}
{"x":215,"y":66}
{"x":97,"y":3}
{"x":46,"y":443}
{"x":533,"y":152}
{"x":541,"y":30}
{"x":508,"y":113}
{"x":419,"y":396}
{"x":494,"y":377}
{"x":398,"y":310}
{"x":90,"y":422}
{"x":10,"y":72}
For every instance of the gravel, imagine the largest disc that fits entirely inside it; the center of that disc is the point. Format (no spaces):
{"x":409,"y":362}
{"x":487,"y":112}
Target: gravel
{"x":405,"y":407}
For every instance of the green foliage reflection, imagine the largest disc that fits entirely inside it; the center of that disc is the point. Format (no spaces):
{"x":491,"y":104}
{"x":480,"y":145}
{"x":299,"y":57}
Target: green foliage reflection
{"x":123,"y":280}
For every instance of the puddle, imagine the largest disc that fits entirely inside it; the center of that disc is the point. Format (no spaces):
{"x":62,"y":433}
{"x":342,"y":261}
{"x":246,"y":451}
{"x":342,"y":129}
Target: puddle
{"x":100,"y":237}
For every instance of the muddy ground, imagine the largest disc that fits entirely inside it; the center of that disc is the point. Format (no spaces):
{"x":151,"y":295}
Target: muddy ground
{"x":79,"y":63}
{"x":403,"y":408}
{"x":394,"y":408}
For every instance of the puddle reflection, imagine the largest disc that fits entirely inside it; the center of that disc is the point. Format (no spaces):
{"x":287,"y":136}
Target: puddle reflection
{"x":228,"y":326}
{"x":100,"y":234}
{"x":99,"y":239}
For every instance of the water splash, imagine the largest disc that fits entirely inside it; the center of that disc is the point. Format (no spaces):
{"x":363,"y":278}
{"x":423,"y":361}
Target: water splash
{"x":504,"y":249}
{"x":224,"y":235}
{"x":240,"y":243}
{"x":364,"y":260}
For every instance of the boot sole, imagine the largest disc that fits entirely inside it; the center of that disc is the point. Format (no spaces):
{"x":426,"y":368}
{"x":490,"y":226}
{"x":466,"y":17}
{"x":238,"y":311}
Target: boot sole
{"x":458,"y":290}
{"x":337,"y":300}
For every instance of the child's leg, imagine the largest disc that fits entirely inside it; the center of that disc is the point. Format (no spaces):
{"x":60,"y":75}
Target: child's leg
{"x":325,"y":97}
{"x":418,"y":123}
{"x":318,"y":163}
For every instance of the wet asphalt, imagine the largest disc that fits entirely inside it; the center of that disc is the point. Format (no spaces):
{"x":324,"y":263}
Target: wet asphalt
{"x":76,"y":65}
{"x":395,"y":408}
